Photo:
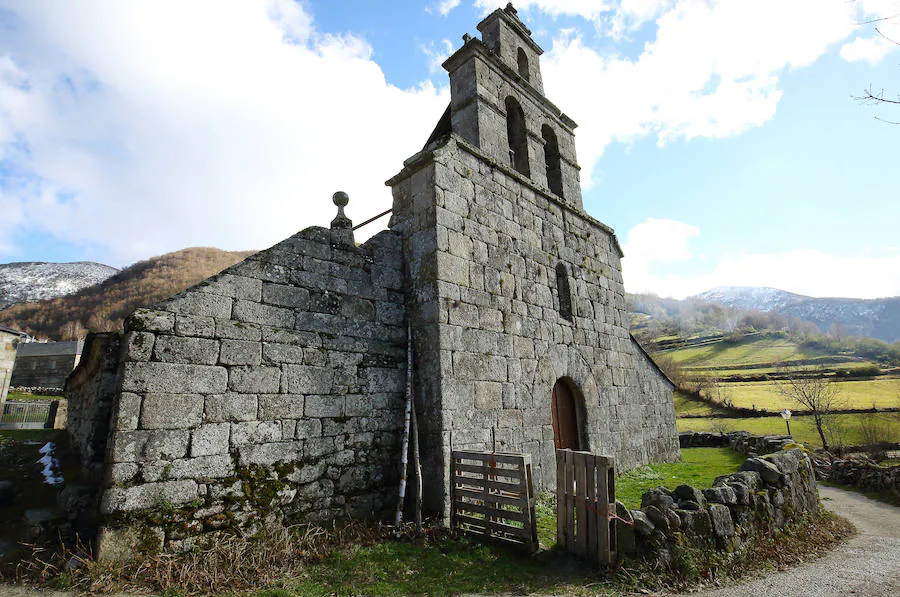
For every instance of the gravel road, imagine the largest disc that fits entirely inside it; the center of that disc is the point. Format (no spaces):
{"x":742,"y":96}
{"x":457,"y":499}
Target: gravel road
{"x":866,"y":565}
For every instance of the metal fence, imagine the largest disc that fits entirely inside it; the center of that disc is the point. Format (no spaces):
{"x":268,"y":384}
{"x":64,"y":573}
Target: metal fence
{"x":25,"y":415}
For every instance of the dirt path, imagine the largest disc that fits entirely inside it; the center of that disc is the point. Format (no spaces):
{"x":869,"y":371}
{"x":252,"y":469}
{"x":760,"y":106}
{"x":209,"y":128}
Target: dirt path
{"x":866,"y":565}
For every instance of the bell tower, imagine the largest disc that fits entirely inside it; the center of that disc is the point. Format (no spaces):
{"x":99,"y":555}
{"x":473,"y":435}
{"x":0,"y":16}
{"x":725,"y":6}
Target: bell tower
{"x":497,"y":104}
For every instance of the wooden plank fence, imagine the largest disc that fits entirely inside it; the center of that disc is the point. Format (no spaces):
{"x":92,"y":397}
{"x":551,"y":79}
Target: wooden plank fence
{"x":492,"y":498}
{"x":585,"y":500}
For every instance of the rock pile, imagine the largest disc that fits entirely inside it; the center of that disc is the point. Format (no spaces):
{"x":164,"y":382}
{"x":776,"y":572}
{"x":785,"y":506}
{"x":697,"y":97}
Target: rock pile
{"x":767,"y":493}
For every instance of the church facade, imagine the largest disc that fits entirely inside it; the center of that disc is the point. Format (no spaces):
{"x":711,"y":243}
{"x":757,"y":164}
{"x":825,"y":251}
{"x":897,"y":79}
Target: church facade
{"x":276,"y":389}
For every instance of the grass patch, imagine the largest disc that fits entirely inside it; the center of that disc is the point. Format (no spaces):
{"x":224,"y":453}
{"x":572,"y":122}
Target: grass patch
{"x":846,"y":428}
{"x":686,"y":405}
{"x":28,"y":396}
{"x":440,"y":567}
{"x":699,"y":467}
{"x":37,"y":435}
{"x":745,"y":352}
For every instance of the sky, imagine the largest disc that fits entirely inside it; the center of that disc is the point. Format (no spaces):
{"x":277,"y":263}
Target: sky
{"x":719,"y":138}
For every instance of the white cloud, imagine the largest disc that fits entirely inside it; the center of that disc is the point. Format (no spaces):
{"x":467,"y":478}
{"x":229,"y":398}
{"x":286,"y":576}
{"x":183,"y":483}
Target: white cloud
{"x":659,"y":240}
{"x":589,"y":9}
{"x":437,"y":53}
{"x":446,"y":6}
{"x":651,"y":243}
{"x":144,"y":127}
{"x":654,"y":248}
{"x":711,"y":71}
{"x":866,"y":49}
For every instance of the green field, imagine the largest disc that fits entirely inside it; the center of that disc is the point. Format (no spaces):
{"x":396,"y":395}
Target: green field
{"x":685,"y":405}
{"x":27,"y":397}
{"x":846,"y":427}
{"x":698,"y":467}
{"x":864,"y":394}
{"x":745,"y":352}
{"x":721,"y":371}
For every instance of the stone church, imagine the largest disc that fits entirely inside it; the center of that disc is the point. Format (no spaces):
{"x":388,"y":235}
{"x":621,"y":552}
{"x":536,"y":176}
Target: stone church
{"x":275,"y":390}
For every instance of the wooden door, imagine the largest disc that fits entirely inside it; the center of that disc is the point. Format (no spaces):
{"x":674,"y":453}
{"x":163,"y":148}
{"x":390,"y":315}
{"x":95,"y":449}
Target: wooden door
{"x":565,"y":418}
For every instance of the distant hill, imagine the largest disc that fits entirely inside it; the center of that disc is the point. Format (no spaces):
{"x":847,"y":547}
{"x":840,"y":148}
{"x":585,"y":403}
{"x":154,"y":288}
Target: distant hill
{"x":103,"y":306}
{"x":872,"y":318}
{"x":750,"y":297}
{"x":36,"y":280}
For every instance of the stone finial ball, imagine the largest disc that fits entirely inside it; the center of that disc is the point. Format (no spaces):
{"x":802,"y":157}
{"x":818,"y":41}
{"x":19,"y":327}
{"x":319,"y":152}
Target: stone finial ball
{"x":341,"y":199}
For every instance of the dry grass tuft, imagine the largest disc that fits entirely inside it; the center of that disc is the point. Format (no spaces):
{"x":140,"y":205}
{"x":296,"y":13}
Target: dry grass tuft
{"x":221,"y":564}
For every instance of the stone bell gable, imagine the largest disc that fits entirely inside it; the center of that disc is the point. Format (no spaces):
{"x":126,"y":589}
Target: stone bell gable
{"x":497,"y":104}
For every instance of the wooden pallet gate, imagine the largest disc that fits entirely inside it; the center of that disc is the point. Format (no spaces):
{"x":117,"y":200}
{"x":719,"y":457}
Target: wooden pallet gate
{"x":585,"y":500}
{"x":492,"y":498}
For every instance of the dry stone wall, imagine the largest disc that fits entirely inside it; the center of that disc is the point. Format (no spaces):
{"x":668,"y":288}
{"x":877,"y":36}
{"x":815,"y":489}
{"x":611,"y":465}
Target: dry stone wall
{"x":766,"y":494}
{"x":90,"y":391}
{"x":273,"y":390}
{"x":484,"y":245}
{"x":860,"y":472}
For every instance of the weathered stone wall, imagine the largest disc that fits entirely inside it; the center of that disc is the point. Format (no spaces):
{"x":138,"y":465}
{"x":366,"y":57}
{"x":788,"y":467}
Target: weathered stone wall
{"x":90,"y":391}
{"x":484,"y":243}
{"x":766,"y":494}
{"x":8,"y":343}
{"x":739,"y":441}
{"x":861,"y":473}
{"x":273,"y":391}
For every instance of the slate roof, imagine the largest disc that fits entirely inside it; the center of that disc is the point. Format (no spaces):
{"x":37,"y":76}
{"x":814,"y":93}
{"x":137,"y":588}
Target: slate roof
{"x":46,"y":349}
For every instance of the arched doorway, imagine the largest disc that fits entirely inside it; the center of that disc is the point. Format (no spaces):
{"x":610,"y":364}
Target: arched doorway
{"x":566,"y":428}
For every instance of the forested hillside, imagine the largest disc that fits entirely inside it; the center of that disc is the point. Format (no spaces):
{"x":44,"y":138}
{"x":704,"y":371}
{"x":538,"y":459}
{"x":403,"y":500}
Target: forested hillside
{"x":104,"y":306}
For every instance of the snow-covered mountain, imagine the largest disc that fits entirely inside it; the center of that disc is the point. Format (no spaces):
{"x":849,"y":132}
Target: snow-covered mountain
{"x":751,"y":297}
{"x":873,"y":318}
{"x":34,"y":280}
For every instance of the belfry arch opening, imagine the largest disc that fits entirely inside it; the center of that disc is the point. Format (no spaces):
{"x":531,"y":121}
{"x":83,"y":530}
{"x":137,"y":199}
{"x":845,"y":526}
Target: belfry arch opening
{"x":567,"y":419}
{"x":552,"y":160}
{"x":517,"y":135}
{"x":522,"y":60}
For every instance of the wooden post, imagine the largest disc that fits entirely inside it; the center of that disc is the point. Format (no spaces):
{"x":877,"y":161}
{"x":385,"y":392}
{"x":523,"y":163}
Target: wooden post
{"x":417,"y":466}
{"x":404,"y":444}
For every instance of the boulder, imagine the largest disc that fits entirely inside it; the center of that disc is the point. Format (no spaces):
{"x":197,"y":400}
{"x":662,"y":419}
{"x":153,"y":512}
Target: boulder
{"x":768,"y":471}
{"x":625,"y":536}
{"x":658,"y":518}
{"x":720,"y":519}
{"x":695,"y":522}
{"x":723,"y":494}
{"x":788,"y":462}
{"x":642,"y":524}
{"x":689,"y":494}
{"x":673,"y":518}
{"x":751,"y":479}
{"x":660,"y":497}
